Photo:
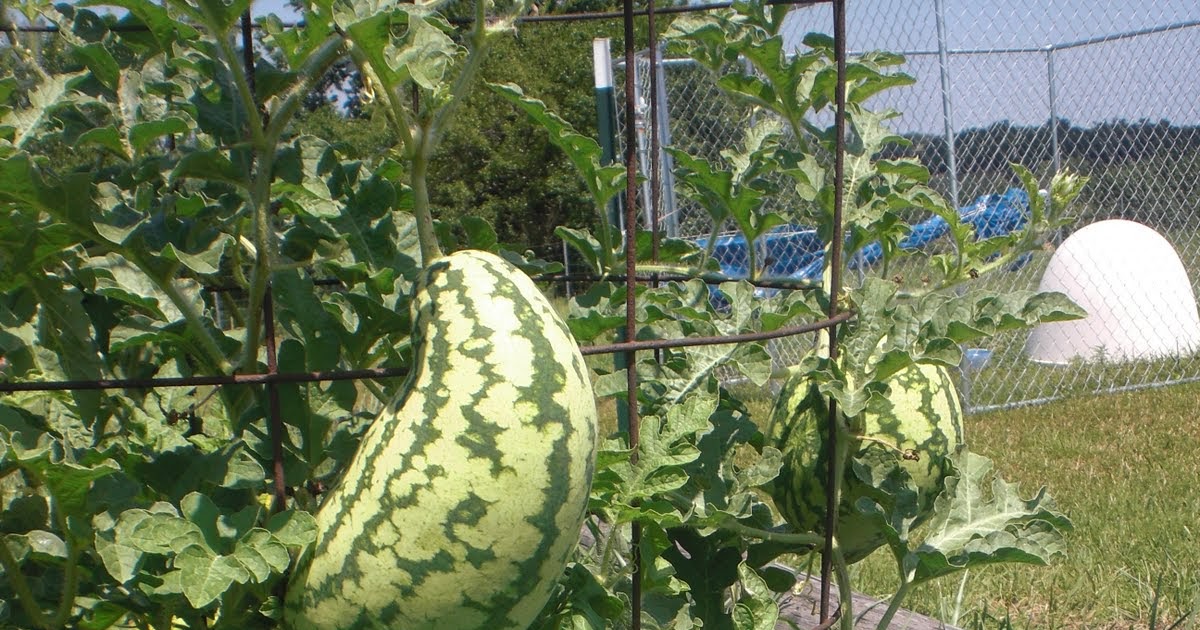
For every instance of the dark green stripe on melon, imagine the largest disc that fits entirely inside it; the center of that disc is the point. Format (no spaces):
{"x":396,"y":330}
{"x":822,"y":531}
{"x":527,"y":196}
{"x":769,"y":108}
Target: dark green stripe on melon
{"x":922,"y":414}
{"x":465,"y":499}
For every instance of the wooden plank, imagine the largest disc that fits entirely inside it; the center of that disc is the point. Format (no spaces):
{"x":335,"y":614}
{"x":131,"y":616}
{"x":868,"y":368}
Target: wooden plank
{"x":802,"y":608}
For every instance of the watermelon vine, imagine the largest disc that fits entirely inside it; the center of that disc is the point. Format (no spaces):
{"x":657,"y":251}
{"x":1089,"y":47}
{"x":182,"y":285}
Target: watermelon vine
{"x":153,"y":197}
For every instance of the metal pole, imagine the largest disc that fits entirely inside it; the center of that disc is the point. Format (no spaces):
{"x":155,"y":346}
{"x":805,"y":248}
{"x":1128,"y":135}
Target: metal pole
{"x":642,"y":127}
{"x":947,"y":99}
{"x":833,"y":492}
{"x":1052,"y":81}
{"x":606,"y":112}
{"x":670,"y":216}
{"x":606,"y":109}
{"x":567,"y":267}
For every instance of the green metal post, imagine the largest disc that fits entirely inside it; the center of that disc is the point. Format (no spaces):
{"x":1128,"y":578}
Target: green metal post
{"x":606,"y":111}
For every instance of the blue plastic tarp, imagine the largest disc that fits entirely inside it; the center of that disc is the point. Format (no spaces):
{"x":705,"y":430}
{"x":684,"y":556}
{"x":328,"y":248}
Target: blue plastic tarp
{"x":795,"y":252}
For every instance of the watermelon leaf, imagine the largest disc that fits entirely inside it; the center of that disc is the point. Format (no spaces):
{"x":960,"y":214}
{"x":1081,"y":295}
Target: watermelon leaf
{"x":756,"y":609}
{"x":981,"y":519}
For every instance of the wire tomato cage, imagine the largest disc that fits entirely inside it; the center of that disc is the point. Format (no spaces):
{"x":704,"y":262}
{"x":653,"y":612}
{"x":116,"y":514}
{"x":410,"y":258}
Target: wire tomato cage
{"x":835,"y":315}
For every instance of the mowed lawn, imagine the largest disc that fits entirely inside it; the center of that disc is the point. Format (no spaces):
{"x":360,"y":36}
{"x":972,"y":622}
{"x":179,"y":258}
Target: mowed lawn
{"x":1126,"y":468}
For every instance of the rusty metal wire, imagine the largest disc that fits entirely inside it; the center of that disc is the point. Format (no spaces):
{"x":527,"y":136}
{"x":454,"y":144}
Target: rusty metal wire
{"x":581,"y":16}
{"x":204,"y":381}
{"x":628,"y":348}
{"x":837,"y":239}
{"x":688,"y":342}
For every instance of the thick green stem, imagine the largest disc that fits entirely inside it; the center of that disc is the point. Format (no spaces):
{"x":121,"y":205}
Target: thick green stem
{"x":259,"y":204}
{"x":16,"y":580}
{"x":480,"y":45}
{"x":711,"y":244}
{"x":215,"y":358}
{"x":310,"y":73}
{"x":751,"y":258}
{"x":845,"y":590}
{"x":430,"y":133}
{"x":894,"y":604}
{"x":419,"y":182}
{"x":254,"y":120}
{"x":70,"y":575}
{"x":777,"y":537}
{"x":710,"y":276}
{"x":604,"y":233}
{"x":1001,"y":261}
{"x":260,"y":276}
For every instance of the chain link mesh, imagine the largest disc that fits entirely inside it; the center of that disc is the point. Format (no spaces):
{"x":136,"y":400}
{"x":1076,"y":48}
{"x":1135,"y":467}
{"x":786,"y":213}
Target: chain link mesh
{"x":1109,"y":90}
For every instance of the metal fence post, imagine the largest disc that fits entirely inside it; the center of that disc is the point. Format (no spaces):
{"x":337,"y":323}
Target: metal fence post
{"x":947,"y":99}
{"x":670,"y":217}
{"x":1051,"y":82}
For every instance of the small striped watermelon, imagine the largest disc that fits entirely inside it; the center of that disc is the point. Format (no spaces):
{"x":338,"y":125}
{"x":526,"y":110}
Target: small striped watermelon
{"x":923,"y":417}
{"x":465,"y":499}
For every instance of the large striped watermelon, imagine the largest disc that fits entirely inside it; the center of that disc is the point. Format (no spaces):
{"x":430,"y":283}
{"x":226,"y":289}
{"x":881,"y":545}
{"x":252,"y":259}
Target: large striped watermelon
{"x":923,"y":417}
{"x":465,"y":499}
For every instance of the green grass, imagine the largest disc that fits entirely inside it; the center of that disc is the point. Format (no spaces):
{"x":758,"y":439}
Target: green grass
{"x":1126,"y":468}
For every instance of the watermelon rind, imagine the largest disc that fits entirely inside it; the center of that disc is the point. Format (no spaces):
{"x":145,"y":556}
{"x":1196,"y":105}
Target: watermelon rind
{"x":916,"y":428}
{"x":464,"y":502}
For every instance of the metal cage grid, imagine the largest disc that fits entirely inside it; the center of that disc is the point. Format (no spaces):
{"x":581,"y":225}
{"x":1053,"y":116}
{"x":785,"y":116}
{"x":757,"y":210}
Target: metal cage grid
{"x":1111,"y":92}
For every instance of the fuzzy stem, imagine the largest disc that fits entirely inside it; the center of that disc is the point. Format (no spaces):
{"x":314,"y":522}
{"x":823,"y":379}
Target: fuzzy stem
{"x":710,"y":276}
{"x":845,"y":592}
{"x":260,"y":276}
{"x":422,"y":210}
{"x":254,"y":120}
{"x":751,"y":258}
{"x":778,"y":537}
{"x":195,"y":322}
{"x":711,"y":244}
{"x":16,"y":579}
{"x":313,"y":69}
{"x":430,"y":133}
{"x":894,"y":604}
{"x":70,"y":575}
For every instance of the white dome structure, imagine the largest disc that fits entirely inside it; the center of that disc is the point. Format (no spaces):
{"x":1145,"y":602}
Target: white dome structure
{"x":1135,"y":289}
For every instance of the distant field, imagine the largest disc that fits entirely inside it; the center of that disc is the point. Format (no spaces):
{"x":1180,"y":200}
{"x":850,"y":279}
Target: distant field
{"x":1125,"y":467}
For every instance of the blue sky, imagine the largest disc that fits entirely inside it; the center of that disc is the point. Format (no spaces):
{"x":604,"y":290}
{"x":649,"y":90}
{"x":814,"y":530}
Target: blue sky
{"x":1153,"y":77}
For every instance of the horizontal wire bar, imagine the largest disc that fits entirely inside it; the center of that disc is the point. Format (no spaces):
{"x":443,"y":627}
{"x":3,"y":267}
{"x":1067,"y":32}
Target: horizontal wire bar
{"x":373,"y":373}
{"x":196,"y":381}
{"x":527,"y":19}
{"x":649,"y":276}
{"x":688,"y":342}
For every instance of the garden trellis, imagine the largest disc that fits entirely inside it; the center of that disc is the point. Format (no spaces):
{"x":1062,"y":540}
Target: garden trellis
{"x":273,"y":377}
{"x":123,"y":278}
{"x":1110,"y":91}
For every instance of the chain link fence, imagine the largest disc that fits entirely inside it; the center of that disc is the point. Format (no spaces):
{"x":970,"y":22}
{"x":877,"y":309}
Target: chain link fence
{"x":1109,"y":90}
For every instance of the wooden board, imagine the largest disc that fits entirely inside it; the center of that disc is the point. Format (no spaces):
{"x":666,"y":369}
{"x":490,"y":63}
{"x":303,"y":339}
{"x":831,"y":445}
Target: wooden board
{"x":802,"y":609}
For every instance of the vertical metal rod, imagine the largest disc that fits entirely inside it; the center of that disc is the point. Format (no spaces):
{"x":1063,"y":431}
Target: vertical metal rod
{"x":273,"y":405}
{"x":644,"y":124}
{"x":656,"y":189}
{"x":248,"y":48}
{"x":631,"y":382}
{"x":567,"y":267}
{"x":1052,"y":84}
{"x":606,"y":113}
{"x":670,"y":213}
{"x":832,"y":498}
{"x":947,"y":99}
